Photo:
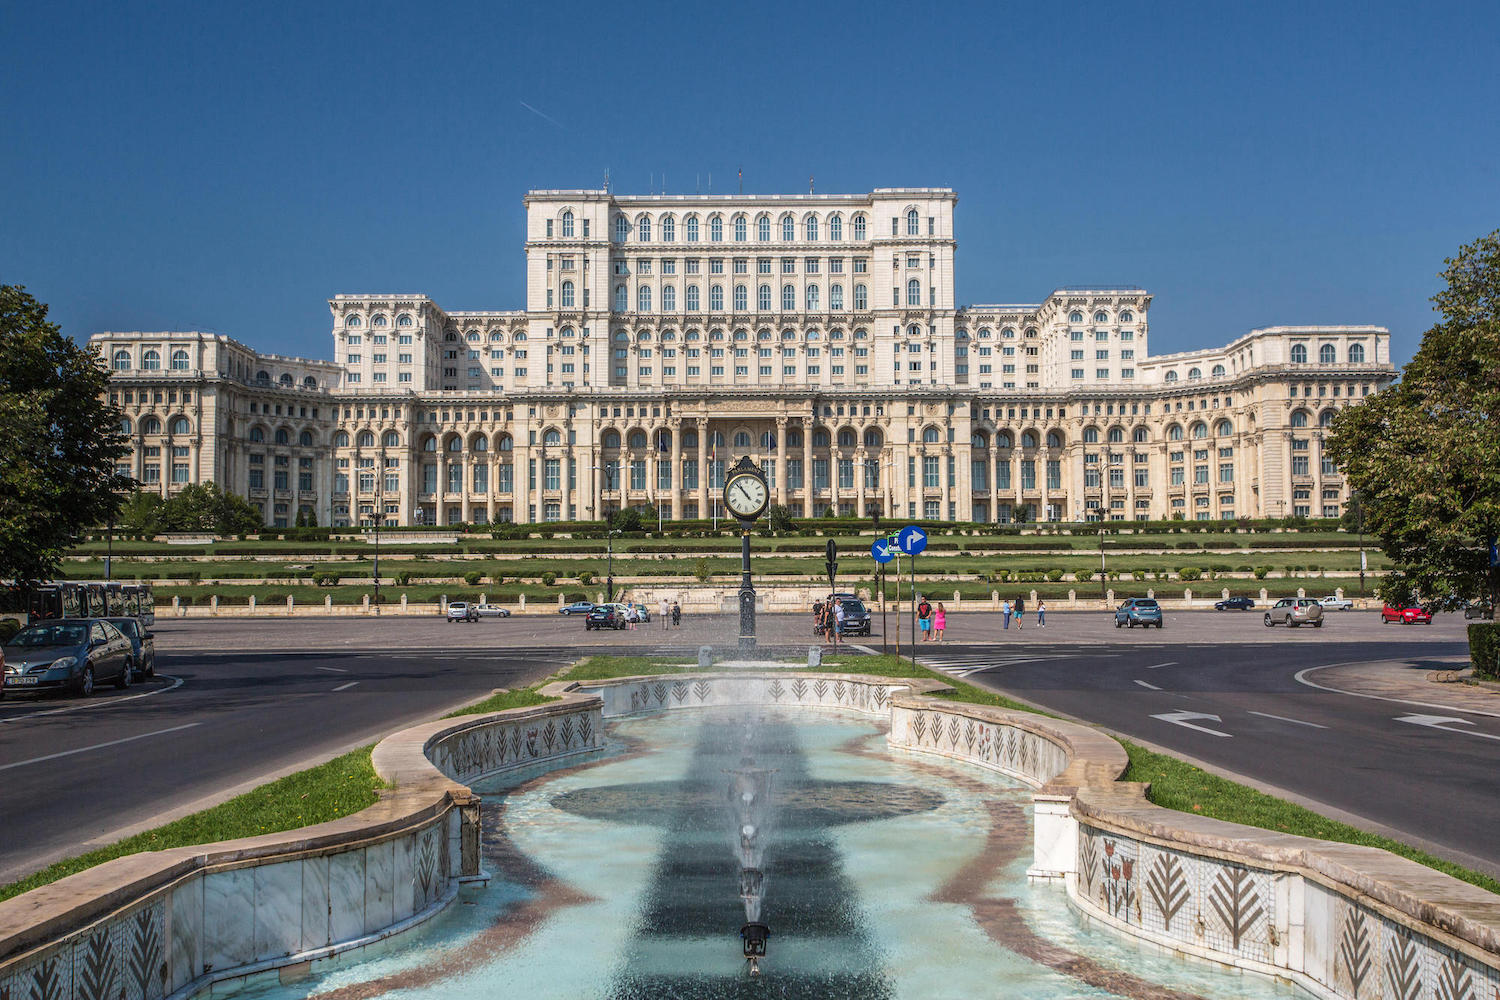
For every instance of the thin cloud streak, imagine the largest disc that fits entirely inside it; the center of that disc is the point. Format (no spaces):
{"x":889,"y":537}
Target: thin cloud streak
{"x":541,"y":114}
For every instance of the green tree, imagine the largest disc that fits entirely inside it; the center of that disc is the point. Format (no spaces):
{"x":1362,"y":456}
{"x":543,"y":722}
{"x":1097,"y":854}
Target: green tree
{"x":208,"y":508}
{"x":59,"y":440}
{"x":1424,"y":454}
{"x":627,"y":519}
{"x":140,"y":514}
{"x":779,"y":517}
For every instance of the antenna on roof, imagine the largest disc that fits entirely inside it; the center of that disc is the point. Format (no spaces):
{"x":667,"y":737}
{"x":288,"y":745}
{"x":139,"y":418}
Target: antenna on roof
{"x":809,"y":183}
{"x":606,"y":179}
{"x":742,"y":180}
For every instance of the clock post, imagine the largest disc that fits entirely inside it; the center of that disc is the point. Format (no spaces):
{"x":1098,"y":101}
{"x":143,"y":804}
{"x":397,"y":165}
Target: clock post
{"x":746,"y":496}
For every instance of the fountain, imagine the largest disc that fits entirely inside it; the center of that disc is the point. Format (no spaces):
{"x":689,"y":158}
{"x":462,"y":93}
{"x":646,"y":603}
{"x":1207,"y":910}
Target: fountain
{"x":751,"y":811}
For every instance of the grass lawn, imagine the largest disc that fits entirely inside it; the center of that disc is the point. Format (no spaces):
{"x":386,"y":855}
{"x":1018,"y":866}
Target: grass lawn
{"x":341,"y":787}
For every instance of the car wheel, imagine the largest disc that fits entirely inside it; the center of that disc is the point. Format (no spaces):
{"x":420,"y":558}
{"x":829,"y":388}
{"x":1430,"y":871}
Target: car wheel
{"x":127,"y":675}
{"x":1318,"y":623}
{"x":1268,"y":621}
{"x":151,"y":670}
{"x":86,"y":682}
{"x":1160,"y":624}
{"x":1117,"y":623}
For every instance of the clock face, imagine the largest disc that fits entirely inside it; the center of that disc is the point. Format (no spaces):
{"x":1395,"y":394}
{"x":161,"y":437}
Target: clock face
{"x":745,"y":495}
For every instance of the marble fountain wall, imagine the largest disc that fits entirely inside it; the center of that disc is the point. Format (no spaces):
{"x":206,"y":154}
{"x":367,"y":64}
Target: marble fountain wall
{"x":1339,"y":920}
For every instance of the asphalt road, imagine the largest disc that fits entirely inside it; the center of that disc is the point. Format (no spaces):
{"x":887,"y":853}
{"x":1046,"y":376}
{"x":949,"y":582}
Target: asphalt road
{"x":242,"y":700}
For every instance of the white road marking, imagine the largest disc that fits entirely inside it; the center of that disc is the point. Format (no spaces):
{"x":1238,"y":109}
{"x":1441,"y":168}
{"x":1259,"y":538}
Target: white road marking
{"x":345,"y":687}
{"x":332,"y":670}
{"x":99,"y":746}
{"x":1154,"y":666}
{"x":1436,"y":722}
{"x":1282,"y":718}
{"x":1152,"y":687}
{"x":102,"y":703}
{"x":1180,"y":719}
{"x":1301,"y":678}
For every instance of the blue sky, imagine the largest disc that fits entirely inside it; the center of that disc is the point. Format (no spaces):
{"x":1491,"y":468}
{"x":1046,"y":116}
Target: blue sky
{"x":229,"y":167}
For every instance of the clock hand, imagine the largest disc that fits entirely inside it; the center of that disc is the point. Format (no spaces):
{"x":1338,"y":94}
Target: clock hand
{"x":746,"y":491}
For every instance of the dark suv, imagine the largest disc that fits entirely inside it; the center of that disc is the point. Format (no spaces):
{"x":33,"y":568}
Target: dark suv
{"x":856,"y":617}
{"x":604,"y":616}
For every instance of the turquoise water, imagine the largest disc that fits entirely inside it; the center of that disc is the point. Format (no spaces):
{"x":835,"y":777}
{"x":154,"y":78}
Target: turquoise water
{"x":880,"y":875}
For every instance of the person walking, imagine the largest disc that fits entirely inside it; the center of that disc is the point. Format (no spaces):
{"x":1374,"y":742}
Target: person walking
{"x":836,"y":626}
{"x":924,"y":620}
{"x":940,"y":620}
{"x":1005,"y":614}
{"x":676,"y":615}
{"x":665,"y":610}
{"x":817,"y":617}
{"x":1020,"y":610}
{"x":1041,"y":614}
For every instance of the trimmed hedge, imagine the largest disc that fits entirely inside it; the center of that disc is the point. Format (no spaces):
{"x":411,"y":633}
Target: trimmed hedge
{"x":1484,"y":649}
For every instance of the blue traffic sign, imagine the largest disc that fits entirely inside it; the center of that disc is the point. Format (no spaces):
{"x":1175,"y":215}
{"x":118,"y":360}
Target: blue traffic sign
{"x":881,"y":550}
{"x":911,"y":539}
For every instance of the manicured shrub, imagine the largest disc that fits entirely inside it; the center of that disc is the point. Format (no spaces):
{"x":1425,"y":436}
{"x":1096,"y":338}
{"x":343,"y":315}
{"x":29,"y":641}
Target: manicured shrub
{"x":1188,"y":573}
{"x":548,"y":579}
{"x":587,"y":579}
{"x":1261,"y":572}
{"x":1054,"y":575}
{"x":326,"y":579}
{"x":472,"y":577}
{"x":1484,"y":649}
{"x":402,"y":579}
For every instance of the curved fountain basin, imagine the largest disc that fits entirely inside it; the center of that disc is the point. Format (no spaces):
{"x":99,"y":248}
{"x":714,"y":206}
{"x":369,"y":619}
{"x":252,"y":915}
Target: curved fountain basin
{"x":887,"y":874}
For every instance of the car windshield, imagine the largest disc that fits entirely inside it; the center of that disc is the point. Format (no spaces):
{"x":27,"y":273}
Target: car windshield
{"x":127,"y":625}
{"x":852,"y":605}
{"x":51,"y":635}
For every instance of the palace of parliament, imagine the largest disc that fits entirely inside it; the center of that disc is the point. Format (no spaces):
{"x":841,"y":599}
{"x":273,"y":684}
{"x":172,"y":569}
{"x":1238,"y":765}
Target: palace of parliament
{"x":664,"y":337}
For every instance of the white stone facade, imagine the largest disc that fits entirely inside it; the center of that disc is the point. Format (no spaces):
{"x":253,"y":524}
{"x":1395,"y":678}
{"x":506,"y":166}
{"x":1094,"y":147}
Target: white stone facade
{"x":664,"y":336}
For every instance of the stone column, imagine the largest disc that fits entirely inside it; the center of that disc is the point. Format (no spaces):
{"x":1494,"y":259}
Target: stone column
{"x":945,"y":458}
{"x":703,"y":467}
{"x":859,"y":482}
{"x":781,"y":423}
{"x":465,"y":481}
{"x":807,"y":481}
{"x":676,"y":470}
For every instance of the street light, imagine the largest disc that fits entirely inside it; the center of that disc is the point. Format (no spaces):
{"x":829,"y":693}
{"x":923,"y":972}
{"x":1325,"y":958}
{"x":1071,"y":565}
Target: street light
{"x":609,"y":532}
{"x":376,"y":517}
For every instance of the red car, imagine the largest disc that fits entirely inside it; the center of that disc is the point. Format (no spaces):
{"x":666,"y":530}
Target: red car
{"x":1407,"y":616}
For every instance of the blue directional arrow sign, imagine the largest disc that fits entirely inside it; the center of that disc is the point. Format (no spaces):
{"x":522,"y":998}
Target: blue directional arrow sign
{"x":881,"y":550}
{"x":911,"y":539}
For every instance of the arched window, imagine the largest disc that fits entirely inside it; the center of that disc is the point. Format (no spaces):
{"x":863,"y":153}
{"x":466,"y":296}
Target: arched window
{"x":125,"y":425}
{"x":122,"y":361}
{"x":554,"y":436}
{"x":455,"y":445}
{"x":913,"y":223}
{"x":847,"y":438}
{"x":507,"y":443}
{"x":1327,"y":354}
{"x":480,"y":443}
{"x":1116,"y":435}
{"x":768,"y":441}
{"x":812,"y":298}
{"x":1054,"y":439}
{"x":1194,"y":373}
{"x":1002,"y":439}
{"x":1299,"y":354}
{"x":567,"y":295}
{"x":1224,"y":428}
{"x":403,"y":320}
{"x":689,"y":439}
{"x":716,"y":439}
{"x":1174,"y":433}
{"x":914,"y":330}
{"x":668,"y":298}
{"x":836,"y":297}
{"x":1140,"y":435}
{"x":979,"y":442}
{"x":1200,"y":430}
{"x":1091,"y":435}
{"x":788,"y":228}
{"x":285,"y":380}
{"x":810,"y":228}
{"x":716,"y":298}
{"x":929,"y":435}
{"x":741,"y":439}
{"x":1028,"y":439}
{"x":835,"y":227}
{"x":340,"y":439}
{"x":622,"y":298}
{"x":741,"y":298}
{"x":309,"y":382}
{"x":716,"y":230}
{"x":638,"y":439}
{"x":151,"y":360}
{"x":622,"y":229}
{"x":873,"y":438}
{"x":352,"y":321}
{"x":643,"y":298}
{"x":283,"y":436}
{"x":567,"y":224}
{"x":1299,"y":418}
{"x":366,"y":439}
{"x":378,"y":321}
{"x":859,"y":227}
{"x":668,"y":229}
{"x":1127,"y":317}
{"x":740,"y":229}
{"x":429,"y":443}
{"x":150,"y":425}
{"x":305,"y":439}
{"x":1076,"y":317}
{"x":179,"y":361}
{"x":763,"y":229}
{"x":264,"y":378}
{"x":1171,"y":377}
{"x":1218,"y":371}
{"x":692,"y":229}
{"x":1356,"y":354}
{"x":788,"y":298}
{"x":1325,"y":419}
{"x":914,"y":292}
{"x":1101,"y":317}
{"x":181,"y":425}
{"x":820,"y":438}
{"x":391,"y":439}
{"x":691,"y":302}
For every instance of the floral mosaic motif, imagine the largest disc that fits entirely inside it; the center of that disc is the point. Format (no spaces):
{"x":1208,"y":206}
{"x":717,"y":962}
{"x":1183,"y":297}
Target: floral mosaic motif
{"x":549,"y":735}
{"x":1354,"y":949}
{"x":987,"y":743}
{"x":1236,"y":902}
{"x":98,"y":975}
{"x":919,"y":725}
{"x":1167,"y":885}
{"x":427,"y":859}
{"x":971,"y":732}
{"x":1402,"y":967}
{"x":1453,"y":981}
{"x":679,"y":691}
{"x":515,"y":742}
{"x":880,"y":695}
{"x":775,"y":690}
{"x":46,"y":984}
{"x":701,"y":690}
{"x":635,"y":699}
{"x":1008,"y":749}
{"x":1088,"y":861}
{"x":1117,"y":887}
{"x":820,"y":688}
{"x":839,"y":690}
{"x":143,"y":961}
{"x":1028,"y":753}
{"x":586,"y":729}
{"x":659,"y":691}
{"x":567,"y":731}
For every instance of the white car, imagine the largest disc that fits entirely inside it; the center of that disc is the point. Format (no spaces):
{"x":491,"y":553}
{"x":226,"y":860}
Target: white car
{"x":1331,"y":603}
{"x":462,"y":611}
{"x":491,"y":611}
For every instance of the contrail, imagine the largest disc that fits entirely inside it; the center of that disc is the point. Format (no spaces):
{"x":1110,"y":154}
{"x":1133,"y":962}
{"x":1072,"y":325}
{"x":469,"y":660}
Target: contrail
{"x":541,"y":114}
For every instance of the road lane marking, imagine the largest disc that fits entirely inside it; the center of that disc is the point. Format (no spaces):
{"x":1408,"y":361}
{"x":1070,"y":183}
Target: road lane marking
{"x":345,"y":687}
{"x":1436,"y":722}
{"x":1180,"y":719}
{"x":1301,"y":678}
{"x":1282,"y":718}
{"x":1154,"y":666}
{"x":332,"y":670}
{"x":1152,"y":687}
{"x":99,"y":746}
{"x":176,"y":683}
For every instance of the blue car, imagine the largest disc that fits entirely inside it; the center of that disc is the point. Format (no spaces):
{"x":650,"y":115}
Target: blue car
{"x":1142,"y":611}
{"x":69,"y":653}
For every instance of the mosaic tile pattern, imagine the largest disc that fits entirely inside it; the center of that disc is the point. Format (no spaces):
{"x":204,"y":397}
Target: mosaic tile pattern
{"x":656,"y":695}
{"x":475,"y":753}
{"x":1021,"y":754}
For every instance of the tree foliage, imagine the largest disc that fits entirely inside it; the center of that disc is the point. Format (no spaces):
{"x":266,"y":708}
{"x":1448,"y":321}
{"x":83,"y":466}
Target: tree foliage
{"x":59,"y":439}
{"x":1424,"y":455}
{"x":205,"y":508}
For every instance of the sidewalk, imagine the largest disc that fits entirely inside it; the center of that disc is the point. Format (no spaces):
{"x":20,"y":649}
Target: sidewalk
{"x":1438,"y":682}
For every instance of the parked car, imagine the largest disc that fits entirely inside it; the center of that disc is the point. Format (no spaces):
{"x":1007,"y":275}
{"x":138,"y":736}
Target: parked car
{"x":577,"y":608}
{"x":1295,"y":611}
{"x":1234,"y":604}
{"x":1142,"y":611}
{"x":68,"y":653}
{"x":640,"y":613}
{"x":605,"y":616}
{"x":142,"y":643}
{"x":491,"y":611}
{"x":462,"y":611}
{"x":1406,"y":616}
{"x":1332,"y":603}
{"x":1479,"y":609}
{"x":856,"y":617}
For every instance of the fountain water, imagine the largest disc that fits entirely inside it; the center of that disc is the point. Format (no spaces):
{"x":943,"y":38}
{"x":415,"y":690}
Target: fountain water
{"x":751,"y":809}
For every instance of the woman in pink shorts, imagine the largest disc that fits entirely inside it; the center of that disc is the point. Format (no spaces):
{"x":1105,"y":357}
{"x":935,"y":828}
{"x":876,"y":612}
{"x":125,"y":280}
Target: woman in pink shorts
{"x":939,"y":621}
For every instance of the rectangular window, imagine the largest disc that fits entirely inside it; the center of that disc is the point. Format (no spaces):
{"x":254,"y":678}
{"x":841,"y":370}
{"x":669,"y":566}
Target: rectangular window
{"x":794,"y":473}
{"x":930,"y":471}
{"x":872,"y":473}
{"x":638,"y":474}
{"x":552,"y":474}
{"x":846,"y":473}
{"x":690,"y":473}
{"x":820,"y":473}
{"x":1299,"y":465}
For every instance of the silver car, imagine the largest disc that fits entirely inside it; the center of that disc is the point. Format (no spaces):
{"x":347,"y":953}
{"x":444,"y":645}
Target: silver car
{"x":68,"y":653}
{"x":1294,"y":611}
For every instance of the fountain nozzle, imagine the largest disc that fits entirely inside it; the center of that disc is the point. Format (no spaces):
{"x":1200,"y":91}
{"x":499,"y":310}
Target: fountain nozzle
{"x":754,"y":936}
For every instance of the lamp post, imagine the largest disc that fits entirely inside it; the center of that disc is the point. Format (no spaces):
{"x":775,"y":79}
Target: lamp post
{"x":376,"y":518}
{"x":1102,"y":572}
{"x":609,"y":533}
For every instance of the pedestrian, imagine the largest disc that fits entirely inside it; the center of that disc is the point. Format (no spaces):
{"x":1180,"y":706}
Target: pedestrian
{"x":940,"y":620}
{"x":1005,"y":613}
{"x":817,"y":617}
{"x":665,"y":610}
{"x":676,"y":615}
{"x":924,"y":620}
{"x":1041,"y":614}
{"x":837,"y":625}
{"x":1020,"y":610}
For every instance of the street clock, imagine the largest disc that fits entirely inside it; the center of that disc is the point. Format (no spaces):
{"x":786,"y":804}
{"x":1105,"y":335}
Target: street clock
{"x":745,"y":491}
